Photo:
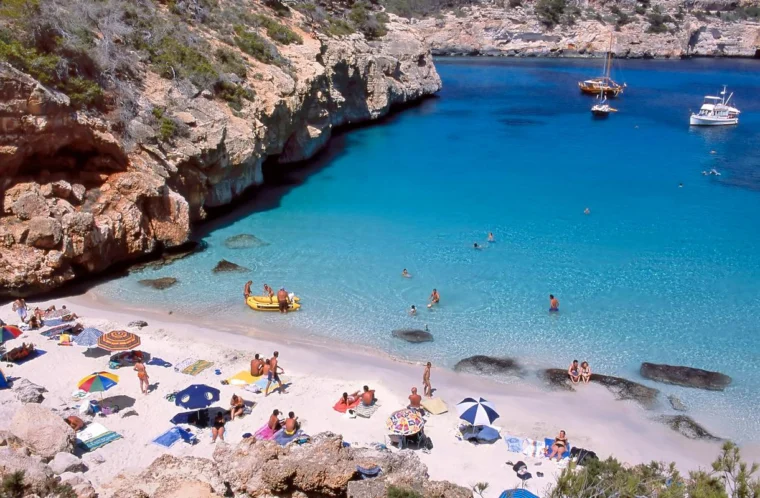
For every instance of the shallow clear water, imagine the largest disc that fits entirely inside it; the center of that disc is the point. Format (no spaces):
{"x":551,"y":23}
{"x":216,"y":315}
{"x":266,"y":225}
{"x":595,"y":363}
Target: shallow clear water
{"x":656,"y":272}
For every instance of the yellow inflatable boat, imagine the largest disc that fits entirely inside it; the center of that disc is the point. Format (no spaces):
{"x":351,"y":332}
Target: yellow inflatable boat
{"x":265,"y":303}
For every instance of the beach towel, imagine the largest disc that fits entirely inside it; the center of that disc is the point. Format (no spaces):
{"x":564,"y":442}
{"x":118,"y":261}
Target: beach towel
{"x":158,"y":362}
{"x":262,"y":384}
{"x":283,"y":439}
{"x":435,"y":406}
{"x":95,"y":436}
{"x":243,"y":378}
{"x":54,"y":330}
{"x":252,"y":388}
{"x":168,"y":438}
{"x":366,"y":411}
{"x":533,"y":448}
{"x":368,"y":472}
{"x":548,"y":442}
{"x":197,"y":367}
{"x":264,"y":433}
{"x":343,"y":408}
{"x":514,"y":444}
{"x":184,"y":364}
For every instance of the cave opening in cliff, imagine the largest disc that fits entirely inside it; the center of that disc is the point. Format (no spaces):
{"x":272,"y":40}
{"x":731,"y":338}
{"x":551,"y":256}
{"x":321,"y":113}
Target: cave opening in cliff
{"x":88,"y":166}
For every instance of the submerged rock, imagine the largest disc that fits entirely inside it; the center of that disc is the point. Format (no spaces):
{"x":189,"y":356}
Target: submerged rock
{"x":413,"y":335}
{"x":623,"y":389}
{"x":685,"y":376}
{"x":158,"y":283}
{"x":488,"y":365}
{"x":687,"y":427}
{"x":244,"y":241}
{"x":227,"y":266}
{"x":676,"y":403}
{"x":138,"y":323}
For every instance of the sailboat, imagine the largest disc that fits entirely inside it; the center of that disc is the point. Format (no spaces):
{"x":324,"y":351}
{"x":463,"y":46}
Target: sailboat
{"x":602,"y":109}
{"x":603,"y":85}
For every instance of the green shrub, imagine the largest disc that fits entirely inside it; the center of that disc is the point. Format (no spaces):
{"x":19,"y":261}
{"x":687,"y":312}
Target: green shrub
{"x":640,"y":10}
{"x":256,"y":46}
{"x":230,"y":62}
{"x":278,"y":32}
{"x":549,"y":12}
{"x":13,"y":485}
{"x":167,"y":128}
{"x":173,"y":58}
{"x":657,"y":23}
{"x":367,"y":22}
{"x":279,"y":8}
{"x":233,"y":94}
{"x":397,"y":492}
{"x":338,"y":27}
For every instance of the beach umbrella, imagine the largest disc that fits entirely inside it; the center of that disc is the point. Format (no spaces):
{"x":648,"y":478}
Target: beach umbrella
{"x":405,"y":422}
{"x":8,"y":332}
{"x":477,"y":412}
{"x":88,"y":338}
{"x":517,"y":493}
{"x":98,"y":382}
{"x":197,"y":396}
{"x":118,"y":340}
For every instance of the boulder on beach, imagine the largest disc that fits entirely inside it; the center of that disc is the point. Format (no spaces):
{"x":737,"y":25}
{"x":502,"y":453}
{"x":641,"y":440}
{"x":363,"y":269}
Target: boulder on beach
{"x":244,"y":241}
{"x":28,"y":392}
{"x":227,"y":266}
{"x":623,"y":389}
{"x":685,"y":376}
{"x":138,"y":323}
{"x":687,"y":427}
{"x":43,"y":431}
{"x":158,"y":283}
{"x":676,"y":403}
{"x":66,"y":462}
{"x":488,"y":365}
{"x":413,"y":335}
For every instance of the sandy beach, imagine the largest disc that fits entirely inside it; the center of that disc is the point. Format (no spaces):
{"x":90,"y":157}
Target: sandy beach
{"x":592,"y":418}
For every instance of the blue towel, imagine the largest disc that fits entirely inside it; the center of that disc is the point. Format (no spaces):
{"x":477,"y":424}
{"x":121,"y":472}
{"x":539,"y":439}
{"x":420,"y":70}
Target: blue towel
{"x":549,"y":442}
{"x":514,"y":444}
{"x":283,"y":439}
{"x":168,"y":438}
{"x":517,"y":493}
{"x":158,"y":362}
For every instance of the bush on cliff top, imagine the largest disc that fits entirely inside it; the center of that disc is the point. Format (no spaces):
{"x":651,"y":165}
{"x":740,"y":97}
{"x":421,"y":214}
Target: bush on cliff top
{"x":278,"y":32}
{"x":549,"y":12}
{"x":256,"y":46}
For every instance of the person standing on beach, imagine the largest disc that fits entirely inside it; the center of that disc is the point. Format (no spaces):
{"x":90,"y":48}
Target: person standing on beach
{"x":282,"y":300}
{"x":247,"y":289}
{"x":19,"y":306}
{"x":274,"y":374}
{"x":142,"y":375}
{"x":426,"y":381}
{"x":553,"y":303}
{"x":256,"y":366}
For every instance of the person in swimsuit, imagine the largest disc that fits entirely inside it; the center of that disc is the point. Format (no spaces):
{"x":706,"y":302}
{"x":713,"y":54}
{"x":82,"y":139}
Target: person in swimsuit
{"x":553,"y":303}
{"x":368,"y":396}
{"x":475,"y":245}
{"x":585,"y":372}
{"x":558,"y":448}
{"x":405,"y":274}
{"x":413,"y":310}
{"x":291,"y":424}
{"x":490,"y":237}
{"x":217,"y":429}
{"x":274,"y":421}
{"x":19,"y":306}
{"x":348,"y":400}
{"x":426,"y":381}
{"x":142,"y":375}
{"x":247,"y":289}
{"x":415,"y":400}
{"x":435,"y":298}
{"x":237,"y":406}
{"x":265,"y":368}
{"x":256,"y":366}
{"x":282,"y":300}
{"x":273,"y":374}
{"x":574,"y":372}
{"x":269,"y":292}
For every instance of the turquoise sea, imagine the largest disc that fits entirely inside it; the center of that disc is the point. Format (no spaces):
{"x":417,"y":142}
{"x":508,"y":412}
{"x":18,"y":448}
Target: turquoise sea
{"x":656,"y":272}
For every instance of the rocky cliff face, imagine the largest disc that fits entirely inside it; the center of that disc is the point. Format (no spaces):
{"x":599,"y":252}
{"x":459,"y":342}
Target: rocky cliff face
{"x":496,"y":29}
{"x":77,"y":199}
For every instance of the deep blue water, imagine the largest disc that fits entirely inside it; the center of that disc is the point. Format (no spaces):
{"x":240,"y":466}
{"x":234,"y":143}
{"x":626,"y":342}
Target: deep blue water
{"x":655,"y":273}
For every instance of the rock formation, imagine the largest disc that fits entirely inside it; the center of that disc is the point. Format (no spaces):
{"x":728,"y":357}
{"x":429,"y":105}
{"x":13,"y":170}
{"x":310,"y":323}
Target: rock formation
{"x":78,"y":199}
{"x":493,"y":28}
{"x":413,"y":335}
{"x":158,"y":283}
{"x":28,"y":392}
{"x":488,"y":365}
{"x":244,"y":241}
{"x":44,"y":432}
{"x":676,"y":403}
{"x":687,"y":427}
{"x":623,"y":389}
{"x":685,"y":376}
{"x":224,"y":266}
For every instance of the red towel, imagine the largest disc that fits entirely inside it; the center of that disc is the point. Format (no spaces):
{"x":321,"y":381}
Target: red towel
{"x":342,"y":408}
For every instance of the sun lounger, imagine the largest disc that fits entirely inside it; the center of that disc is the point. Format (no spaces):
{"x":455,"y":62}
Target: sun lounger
{"x":283,"y":439}
{"x":435,"y":406}
{"x":95,"y":436}
{"x":243,"y":378}
{"x":168,"y":438}
{"x":264,"y":433}
{"x":365,"y":411}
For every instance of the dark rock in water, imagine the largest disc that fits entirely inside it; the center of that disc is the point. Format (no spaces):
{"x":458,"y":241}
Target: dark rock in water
{"x":676,"y":403}
{"x":687,"y":426}
{"x":413,"y":335}
{"x":244,"y":241}
{"x":489,"y":365}
{"x":685,"y":376}
{"x":158,"y":283}
{"x":171,"y":255}
{"x":623,"y":389}
{"x":226,"y":266}
{"x":138,"y":323}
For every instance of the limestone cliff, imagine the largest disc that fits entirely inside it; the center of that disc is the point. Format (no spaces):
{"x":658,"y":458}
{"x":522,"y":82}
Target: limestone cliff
{"x":78,"y":197}
{"x":664,"y":30}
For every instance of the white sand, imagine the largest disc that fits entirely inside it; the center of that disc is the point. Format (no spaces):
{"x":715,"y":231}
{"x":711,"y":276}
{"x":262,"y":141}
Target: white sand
{"x":591,"y":417}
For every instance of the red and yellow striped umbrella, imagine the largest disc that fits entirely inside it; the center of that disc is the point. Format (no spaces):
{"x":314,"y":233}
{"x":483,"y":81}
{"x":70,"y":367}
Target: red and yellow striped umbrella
{"x":118,"y":340}
{"x":98,"y":382}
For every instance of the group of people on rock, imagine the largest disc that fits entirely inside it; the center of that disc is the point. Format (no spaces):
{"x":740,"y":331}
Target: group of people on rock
{"x":580,"y":373}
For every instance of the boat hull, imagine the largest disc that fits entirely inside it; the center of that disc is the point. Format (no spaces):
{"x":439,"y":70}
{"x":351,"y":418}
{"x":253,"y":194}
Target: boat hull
{"x":605,"y":91}
{"x":695,"y":120}
{"x":263,"y":303}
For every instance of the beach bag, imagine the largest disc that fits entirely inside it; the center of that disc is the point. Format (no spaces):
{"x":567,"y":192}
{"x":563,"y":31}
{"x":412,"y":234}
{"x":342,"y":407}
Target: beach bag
{"x":585,"y":457}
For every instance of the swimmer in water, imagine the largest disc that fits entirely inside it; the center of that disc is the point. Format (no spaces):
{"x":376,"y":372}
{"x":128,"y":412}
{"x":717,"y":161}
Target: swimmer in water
{"x":475,"y":245}
{"x":680,"y":185}
{"x":413,"y":310}
{"x":435,"y":298}
{"x":405,"y":274}
{"x":553,"y":303}
{"x":587,"y":211}
{"x":490,"y":237}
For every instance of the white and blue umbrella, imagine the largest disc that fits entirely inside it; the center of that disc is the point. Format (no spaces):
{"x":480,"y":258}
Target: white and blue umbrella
{"x":477,"y":412}
{"x":88,"y":338}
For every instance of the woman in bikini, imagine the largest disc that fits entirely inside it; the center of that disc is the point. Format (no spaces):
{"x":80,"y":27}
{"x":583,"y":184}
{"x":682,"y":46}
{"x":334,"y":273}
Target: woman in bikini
{"x":585,"y":372}
{"x":559,"y":447}
{"x":142,"y":374}
{"x":217,"y":430}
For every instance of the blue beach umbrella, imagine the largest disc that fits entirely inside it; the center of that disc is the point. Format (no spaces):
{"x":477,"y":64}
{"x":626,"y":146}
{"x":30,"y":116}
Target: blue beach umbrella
{"x":477,"y":412}
{"x":197,"y":396}
{"x":88,"y":338}
{"x":517,"y":493}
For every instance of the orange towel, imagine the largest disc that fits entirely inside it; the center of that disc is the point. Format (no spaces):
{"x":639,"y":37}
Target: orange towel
{"x":342,"y":408}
